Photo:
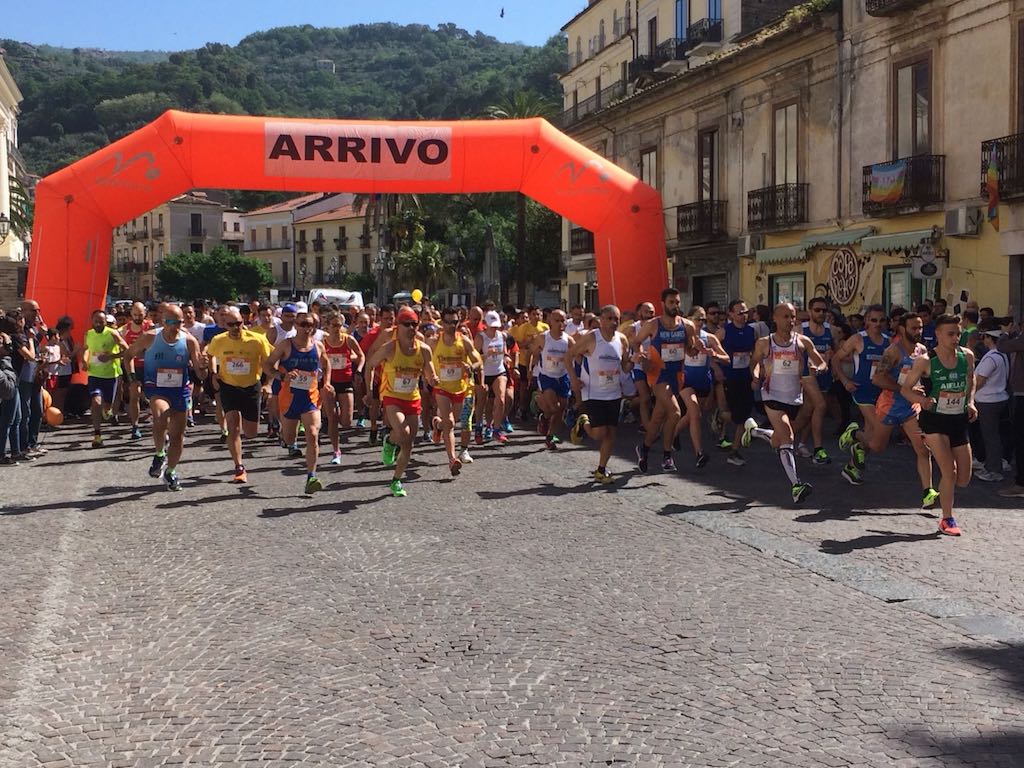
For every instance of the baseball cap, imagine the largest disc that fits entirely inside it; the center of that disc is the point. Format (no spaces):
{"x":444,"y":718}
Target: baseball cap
{"x":492,"y":320}
{"x":300,"y":306}
{"x":996,"y":334}
{"x":111,"y":319}
{"x":290,"y":308}
{"x":406,"y":315}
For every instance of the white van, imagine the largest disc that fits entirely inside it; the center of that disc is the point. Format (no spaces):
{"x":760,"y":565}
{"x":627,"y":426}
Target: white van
{"x":344,"y":299}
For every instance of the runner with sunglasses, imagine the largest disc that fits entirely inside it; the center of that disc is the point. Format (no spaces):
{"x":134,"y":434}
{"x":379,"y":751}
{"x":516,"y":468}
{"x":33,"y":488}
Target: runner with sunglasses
{"x":240,"y":355}
{"x":298,"y":362}
{"x":698,"y":383}
{"x":816,"y":386}
{"x":403,"y":361}
{"x":550,"y":349}
{"x":346,"y":358}
{"x":458,"y":373}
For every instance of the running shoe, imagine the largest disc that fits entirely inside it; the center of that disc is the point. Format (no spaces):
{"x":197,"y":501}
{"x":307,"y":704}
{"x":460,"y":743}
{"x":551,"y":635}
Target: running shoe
{"x":336,"y":461}
{"x":668,"y":464}
{"x":821,"y":456}
{"x":360,"y":423}
{"x":223,"y":436}
{"x":295,"y":452}
{"x":455,"y":466}
{"x":97,"y":441}
{"x":478,"y":436}
{"x":847,"y":438}
{"x":464,"y":457}
{"x":1012,"y":491}
{"x":989,"y":477}
{"x":702,"y":460}
{"x":803,"y":451}
{"x":736,"y":459}
{"x":506,"y":427}
{"x":302,"y":428}
{"x":748,"y":431}
{"x":36,"y":452}
{"x":930,"y":499}
{"x":716,"y":420}
{"x":136,"y":432}
{"x":576,"y":435}
{"x":604,"y":478}
{"x":642,"y":453}
{"x":189,"y":421}
{"x":801,"y":491}
{"x":374,"y":437}
{"x":488,"y":434}
{"x":313,"y":484}
{"x":948,"y":526}
{"x":273,"y":433}
{"x":550,"y":443}
{"x":853,"y":475}
{"x":542,"y":424}
{"x":500,"y":437}
{"x":725,"y":444}
{"x":435,"y":433}
{"x":172,"y":480}
{"x":158,"y":466}
{"x":240,"y":475}
{"x":860,"y":456}
{"x":388,"y":453}
{"x":397,"y":489}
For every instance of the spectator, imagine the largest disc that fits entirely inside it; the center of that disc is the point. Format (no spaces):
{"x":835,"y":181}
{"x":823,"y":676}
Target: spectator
{"x":10,"y":408}
{"x":991,"y":398}
{"x":1013,"y":345}
{"x":68,"y":365}
{"x":970,"y":328}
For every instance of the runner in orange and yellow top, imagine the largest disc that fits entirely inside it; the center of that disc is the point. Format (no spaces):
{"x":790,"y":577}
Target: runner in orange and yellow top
{"x":458,"y":370}
{"x":404,"y":360}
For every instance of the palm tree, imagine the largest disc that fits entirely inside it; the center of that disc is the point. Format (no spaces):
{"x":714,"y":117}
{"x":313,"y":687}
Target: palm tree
{"x":424,"y":265}
{"x":516,"y":106}
{"x":21,"y":209}
{"x":381,"y":211}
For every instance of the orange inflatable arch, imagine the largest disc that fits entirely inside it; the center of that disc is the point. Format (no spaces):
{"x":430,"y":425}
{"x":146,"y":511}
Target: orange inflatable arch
{"x":78,"y":206}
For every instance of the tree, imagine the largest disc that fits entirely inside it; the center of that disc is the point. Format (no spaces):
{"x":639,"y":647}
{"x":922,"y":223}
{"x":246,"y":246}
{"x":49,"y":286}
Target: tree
{"x":364,"y":282}
{"x":22,"y":209}
{"x":519,"y":105}
{"x":424,"y":265}
{"x":219,"y":275}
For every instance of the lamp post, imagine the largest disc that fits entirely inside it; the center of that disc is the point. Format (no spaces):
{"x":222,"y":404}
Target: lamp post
{"x":5,"y":227}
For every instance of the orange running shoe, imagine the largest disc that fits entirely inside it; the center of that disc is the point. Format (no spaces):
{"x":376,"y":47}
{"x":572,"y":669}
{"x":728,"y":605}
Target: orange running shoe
{"x":240,"y":475}
{"x":948,"y":526}
{"x":455,"y":466}
{"x":435,"y":436}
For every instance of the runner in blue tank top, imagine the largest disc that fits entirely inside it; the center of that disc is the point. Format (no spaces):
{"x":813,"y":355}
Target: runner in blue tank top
{"x":698,"y":382}
{"x":738,"y":341}
{"x":168,"y":353}
{"x":866,"y":350}
{"x":816,"y":386}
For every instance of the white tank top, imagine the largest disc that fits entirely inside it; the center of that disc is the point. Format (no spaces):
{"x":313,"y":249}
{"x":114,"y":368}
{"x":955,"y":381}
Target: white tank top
{"x":604,"y":364}
{"x":645,"y":345}
{"x":785,"y":364}
{"x":552,"y":362}
{"x":494,"y":354}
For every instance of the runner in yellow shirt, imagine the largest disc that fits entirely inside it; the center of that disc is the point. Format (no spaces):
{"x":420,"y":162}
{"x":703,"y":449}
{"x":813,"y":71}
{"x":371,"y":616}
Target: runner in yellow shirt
{"x":458,"y":367}
{"x":240,"y":354}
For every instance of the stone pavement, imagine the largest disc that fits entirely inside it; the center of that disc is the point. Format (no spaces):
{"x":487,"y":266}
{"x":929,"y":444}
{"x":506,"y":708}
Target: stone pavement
{"x":516,"y":616}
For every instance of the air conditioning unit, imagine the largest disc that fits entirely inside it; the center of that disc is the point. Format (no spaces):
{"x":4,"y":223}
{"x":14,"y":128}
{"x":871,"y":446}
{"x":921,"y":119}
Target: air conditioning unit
{"x":964,"y":221}
{"x":747,"y":245}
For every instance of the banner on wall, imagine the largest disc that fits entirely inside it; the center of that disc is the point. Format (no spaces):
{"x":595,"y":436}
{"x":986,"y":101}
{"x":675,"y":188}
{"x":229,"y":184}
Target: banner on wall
{"x":885,"y":185}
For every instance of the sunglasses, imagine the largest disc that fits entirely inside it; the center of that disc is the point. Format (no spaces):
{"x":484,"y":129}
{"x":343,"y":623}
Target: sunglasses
{"x":233,"y":325}
{"x":876,"y":320}
{"x":408,"y":325}
{"x":172,"y":321}
{"x":307,"y":325}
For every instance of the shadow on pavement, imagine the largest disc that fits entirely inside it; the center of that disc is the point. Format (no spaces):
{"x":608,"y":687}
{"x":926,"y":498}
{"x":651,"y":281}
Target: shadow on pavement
{"x":874,"y":539}
{"x":835,"y":512}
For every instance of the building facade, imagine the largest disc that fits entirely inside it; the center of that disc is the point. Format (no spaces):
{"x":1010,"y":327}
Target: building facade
{"x":820,"y":153}
{"x":331,"y":245}
{"x":13,"y":250}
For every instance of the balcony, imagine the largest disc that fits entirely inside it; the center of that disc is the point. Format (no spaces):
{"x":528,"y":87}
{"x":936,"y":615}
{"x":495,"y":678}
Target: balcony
{"x":140,"y":234}
{"x":318,"y":244}
{"x":889,"y":7}
{"x":701,"y":222}
{"x":158,"y":232}
{"x":622,"y":27}
{"x":641,"y":65}
{"x":196,"y":232}
{"x":1008,"y":154}
{"x":904,"y":185}
{"x":670,"y":56}
{"x":581,"y":241}
{"x":302,"y":246}
{"x":704,"y":37}
{"x":341,"y":243}
{"x":780,"y":206}
{"x":364,"y":240}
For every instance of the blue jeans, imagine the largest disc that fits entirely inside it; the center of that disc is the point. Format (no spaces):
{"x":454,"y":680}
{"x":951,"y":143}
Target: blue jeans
{"x":31,"y":413}
{"x":10,"y":425}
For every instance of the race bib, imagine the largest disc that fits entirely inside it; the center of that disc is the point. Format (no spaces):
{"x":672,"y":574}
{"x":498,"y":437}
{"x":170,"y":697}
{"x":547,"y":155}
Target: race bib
{"x":874,"y":370}
{"x":406,"y":384}
{"x":553,"y":365}
{"x":337,"y":362}
{"x":238,"y":366}
{"x":169,"y":377}
{"x":696,"y":361}
{"x":607,"y":377}
{"x":672,"y":353}
{"x":303,"y":380}
{"x":451,"y":372}
{"x":740,"y":360}
{"x":951,"y":403}
{"x":784,"y":365}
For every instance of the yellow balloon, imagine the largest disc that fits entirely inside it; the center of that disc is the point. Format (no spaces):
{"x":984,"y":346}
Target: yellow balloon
{"x":417,"y":295}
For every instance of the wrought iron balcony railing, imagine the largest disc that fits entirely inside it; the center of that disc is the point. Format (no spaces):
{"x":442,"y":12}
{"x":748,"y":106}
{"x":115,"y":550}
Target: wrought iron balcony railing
{"x":318,"y":244}
{"x":673,"y":49}
{"x":1007,"y":154}
{"x":703,"y":32}
{"x":341,"y":243}
{"x":639,"y":66}
{"x":906,"y":184}
{"x":778,"y":206}
{"x":701,"y":222}
{"x":889,"y":7}
{"x":580,"y":241}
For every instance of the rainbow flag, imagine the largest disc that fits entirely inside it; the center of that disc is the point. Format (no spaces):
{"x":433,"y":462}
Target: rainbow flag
{"x":992,"y":187}
{"x":887,"y":181}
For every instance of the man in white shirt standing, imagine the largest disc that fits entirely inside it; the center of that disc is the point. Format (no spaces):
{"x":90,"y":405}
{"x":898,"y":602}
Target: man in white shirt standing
{"x":992,"y":398}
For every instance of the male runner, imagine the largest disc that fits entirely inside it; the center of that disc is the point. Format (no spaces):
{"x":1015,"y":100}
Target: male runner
{"x":947,"y":406}
{"x":738,"y":339}
{"x":783,"y":354}
{"x":381,"y":333}
{"x":551,"y":348}
{"x":404,"y":360}
{"x":529,"y":332}
{"x":458,"y":367}
{"x":605,"y":355}
{"x":132,"y":330}
{"x":301,"y":359}
{"x":671,"y":336}
{"x":866,"y":349}
{"x":698,"y":383}
{"x":102,"y":344}
{"x":240,"y":354}
{"x":816,"y":387}
{"x":167,"y":353}
{"x":644,"y":312}
{"x":492,"y":345}
{"x":346,"y":358}
{"x":281,"y":329}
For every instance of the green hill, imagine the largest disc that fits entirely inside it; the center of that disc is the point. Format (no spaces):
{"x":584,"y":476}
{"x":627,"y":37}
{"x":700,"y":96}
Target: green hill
{"x":79,"y":100}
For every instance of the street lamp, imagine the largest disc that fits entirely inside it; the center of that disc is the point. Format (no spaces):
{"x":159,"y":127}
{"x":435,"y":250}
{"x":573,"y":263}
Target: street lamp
{"x":5,"y":227}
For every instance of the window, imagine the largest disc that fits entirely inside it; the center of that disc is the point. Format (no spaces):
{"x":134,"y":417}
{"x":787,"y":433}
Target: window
{"x":600,"y":35}
{"x":901,"y":289}
{"x":784,"y":145}
{"x":252,"y":237}
{"x":649,"y":166}
{"x":145,"y":222}
{"x":135,"y":254}
{"x":574,"y":294}
{"x":196,"y":224}
{"x":707,"y":150}
{"x":341,"y":232}
{"x":366,"y":263}
{"x":319,"y":273}
{"x":652,"y":35}
{"x":237,"y":226}
{"x":579,"y":50}
{"x":682,"y":18}
{"x":284,"y":236}
{"x":787,"y":288}
{"x":284,"y":272}
{"x":270,"y":237}
{"x":912,"y":113}
{"x":1020,"y":76}
{"x":715,"y":9}
{"x":195,"y":247}
{"x":145,"y":252}
{"x":160,"y":251}
{"x":160,"y":220}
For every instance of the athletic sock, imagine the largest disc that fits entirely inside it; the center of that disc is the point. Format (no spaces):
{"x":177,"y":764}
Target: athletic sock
{"x":763,"y":434}
{"x":789,"y":462}
{"x":162,"y":453}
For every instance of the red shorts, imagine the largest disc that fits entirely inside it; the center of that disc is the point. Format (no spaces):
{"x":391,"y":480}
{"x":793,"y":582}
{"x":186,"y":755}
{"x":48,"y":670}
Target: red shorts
{"x":408,"y":407}
{"x":455,"y":400}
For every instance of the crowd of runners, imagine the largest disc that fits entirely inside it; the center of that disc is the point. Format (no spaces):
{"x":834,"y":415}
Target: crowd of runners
{"x":718,"y":377}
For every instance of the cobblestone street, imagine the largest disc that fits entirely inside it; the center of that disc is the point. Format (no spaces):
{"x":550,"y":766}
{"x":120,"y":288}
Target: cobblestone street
{"x":515,"y":616}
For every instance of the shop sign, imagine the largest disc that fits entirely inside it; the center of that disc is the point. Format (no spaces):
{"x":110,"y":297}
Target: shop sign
{"x":843,"y":276}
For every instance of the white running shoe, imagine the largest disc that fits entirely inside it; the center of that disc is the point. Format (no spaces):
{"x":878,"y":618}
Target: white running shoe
{"x":464,"y":457}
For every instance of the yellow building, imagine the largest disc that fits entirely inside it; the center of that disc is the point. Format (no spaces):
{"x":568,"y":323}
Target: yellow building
{"x":332,"y":244}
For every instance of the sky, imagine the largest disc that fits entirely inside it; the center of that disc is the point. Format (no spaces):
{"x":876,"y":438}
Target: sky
{"x":183,"y":24}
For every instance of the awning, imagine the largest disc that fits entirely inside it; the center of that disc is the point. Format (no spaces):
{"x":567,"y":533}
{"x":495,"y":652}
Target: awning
{"x":837,"y":237}
{"x":899,"y":241}
{"x":781,"y":255}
